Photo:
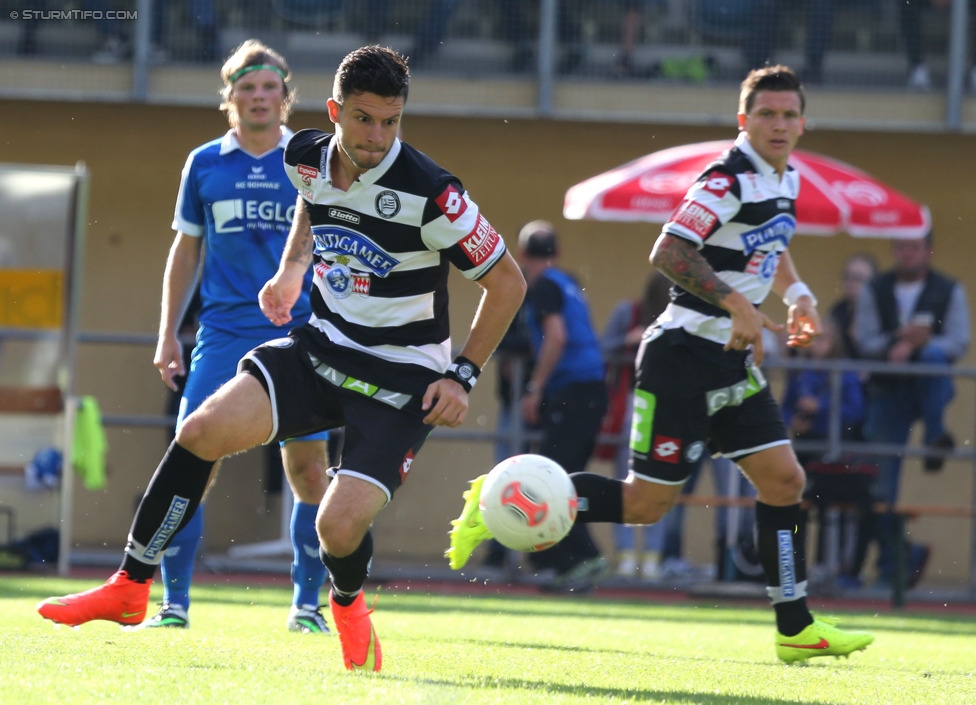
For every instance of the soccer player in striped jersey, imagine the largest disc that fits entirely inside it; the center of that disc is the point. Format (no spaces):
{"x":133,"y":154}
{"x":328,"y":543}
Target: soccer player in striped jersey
{"x":698,"y":385}
{"x":381,"y":225}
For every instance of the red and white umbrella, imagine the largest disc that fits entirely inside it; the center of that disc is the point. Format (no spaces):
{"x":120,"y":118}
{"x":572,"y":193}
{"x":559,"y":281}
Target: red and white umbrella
{"x":835,"y":197}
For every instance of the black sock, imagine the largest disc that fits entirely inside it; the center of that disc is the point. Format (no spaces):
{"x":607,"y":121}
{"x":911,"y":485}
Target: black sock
{"x":349,"y":572}
{"x":173,"y":495}
{"x":600,"y":498}
{"x":780,"y":542}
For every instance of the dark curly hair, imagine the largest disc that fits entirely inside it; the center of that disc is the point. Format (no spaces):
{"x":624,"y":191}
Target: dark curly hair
{"x":372,"y":69}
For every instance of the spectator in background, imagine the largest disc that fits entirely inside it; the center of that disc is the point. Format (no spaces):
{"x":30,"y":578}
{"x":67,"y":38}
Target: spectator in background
{"x":859,"y":269}
{"x":832,"y":480}
{"x":631,"y":20}
{"x":766,"y":24}
{"x":117,"y":43}
{"x":429,"y":33}
{"x":566,"y":394}
{"x":911,"y":11}
{"x":519,"y":23}
{"x":692,"y":67}
{"x":910,"y":313}
{"x":630,"y":27}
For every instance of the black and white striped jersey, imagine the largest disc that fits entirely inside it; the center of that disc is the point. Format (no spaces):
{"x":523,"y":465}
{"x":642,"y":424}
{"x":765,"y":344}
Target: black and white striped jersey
{"x":382,"y":256}
{"x":741,"y":215}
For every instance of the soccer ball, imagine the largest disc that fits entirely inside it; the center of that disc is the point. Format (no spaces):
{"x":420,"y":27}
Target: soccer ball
{"x":528,"y":503}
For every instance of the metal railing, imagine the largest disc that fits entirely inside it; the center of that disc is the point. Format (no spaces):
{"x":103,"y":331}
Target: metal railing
{"x":518,"y":435}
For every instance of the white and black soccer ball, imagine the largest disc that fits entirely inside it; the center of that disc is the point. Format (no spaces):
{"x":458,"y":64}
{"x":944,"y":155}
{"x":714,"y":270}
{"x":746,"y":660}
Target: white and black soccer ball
{"x":528,"y":502}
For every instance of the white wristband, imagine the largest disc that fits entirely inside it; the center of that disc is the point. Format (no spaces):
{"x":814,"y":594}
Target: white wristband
{"x":794,"y":291}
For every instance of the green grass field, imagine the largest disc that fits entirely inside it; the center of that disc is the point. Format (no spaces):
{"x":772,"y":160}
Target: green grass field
{"x":471,"y":649}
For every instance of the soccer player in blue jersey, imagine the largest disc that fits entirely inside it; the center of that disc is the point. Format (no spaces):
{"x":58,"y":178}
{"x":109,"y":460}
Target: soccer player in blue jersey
{"x":235,"y":206}
{"x":698,"y":385}
{"x":382,"y":226}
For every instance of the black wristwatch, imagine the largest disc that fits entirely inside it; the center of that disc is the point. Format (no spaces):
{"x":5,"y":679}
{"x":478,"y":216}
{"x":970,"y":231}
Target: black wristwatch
{"x":464,"y":372}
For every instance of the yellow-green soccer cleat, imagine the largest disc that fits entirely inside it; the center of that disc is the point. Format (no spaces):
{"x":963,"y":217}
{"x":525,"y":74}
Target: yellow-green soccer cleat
{"x":821,"y":638}
{"x":468,"y":530}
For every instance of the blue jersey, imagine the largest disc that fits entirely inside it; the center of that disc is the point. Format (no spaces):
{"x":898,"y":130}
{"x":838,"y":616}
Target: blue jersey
{"x":242,"y":205}
{"x":555,"y":292}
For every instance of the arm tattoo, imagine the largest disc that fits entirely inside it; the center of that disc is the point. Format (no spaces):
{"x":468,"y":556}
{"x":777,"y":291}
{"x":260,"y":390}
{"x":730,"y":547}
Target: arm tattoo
{"x":298,"y":249}
{"x":302,"y":253}
{"x":680,"y":262}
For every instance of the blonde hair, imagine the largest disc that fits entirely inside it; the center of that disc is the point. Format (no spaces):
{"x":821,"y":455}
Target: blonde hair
{"x":253,"y":53}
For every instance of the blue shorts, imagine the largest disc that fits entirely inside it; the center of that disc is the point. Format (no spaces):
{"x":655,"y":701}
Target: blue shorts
{"x":213,"y":362}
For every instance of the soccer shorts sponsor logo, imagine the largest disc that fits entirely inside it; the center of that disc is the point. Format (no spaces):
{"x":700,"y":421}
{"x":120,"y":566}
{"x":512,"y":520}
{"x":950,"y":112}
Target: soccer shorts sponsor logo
{"x":733,"y":395}
{"x":667,"y":449}
{"x":642,"y":421}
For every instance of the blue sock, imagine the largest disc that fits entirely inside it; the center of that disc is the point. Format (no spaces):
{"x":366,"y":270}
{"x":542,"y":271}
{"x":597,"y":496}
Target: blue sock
{"x":307,"y":569}
{"x":178,"y":561}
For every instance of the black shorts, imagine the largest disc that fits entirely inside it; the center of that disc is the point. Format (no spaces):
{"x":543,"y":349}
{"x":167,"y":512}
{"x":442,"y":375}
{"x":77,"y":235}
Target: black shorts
{"x":691,"y":395}
{"x":570,"y":419}
{"x":384,"y":430}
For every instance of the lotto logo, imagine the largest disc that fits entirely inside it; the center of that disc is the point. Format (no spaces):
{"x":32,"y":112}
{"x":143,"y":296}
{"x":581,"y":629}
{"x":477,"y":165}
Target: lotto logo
{"x":667,"y":449}
{"x":452,"y":203}
{"x":405,"y":466}
{"x":718,"y":184}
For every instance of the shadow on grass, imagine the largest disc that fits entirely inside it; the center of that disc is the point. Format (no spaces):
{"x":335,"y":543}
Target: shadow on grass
{"x":238,"y":592}
{"x":598,"y":694}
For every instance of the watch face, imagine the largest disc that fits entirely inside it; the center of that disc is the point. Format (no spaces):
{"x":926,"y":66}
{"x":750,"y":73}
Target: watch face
{"x":465,"y":371}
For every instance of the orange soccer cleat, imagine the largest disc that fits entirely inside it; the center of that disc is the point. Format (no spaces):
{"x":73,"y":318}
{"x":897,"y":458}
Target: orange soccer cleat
{"x":360,"y":647}
{"x":120,"y":600}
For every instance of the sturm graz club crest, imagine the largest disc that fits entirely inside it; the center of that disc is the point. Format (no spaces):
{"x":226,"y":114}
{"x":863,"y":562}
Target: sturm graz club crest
{"x":387,"y":204}
{"x":339,"y":280}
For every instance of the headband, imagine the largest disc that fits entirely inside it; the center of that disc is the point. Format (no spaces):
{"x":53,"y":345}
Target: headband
{"x":248,"y":69}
